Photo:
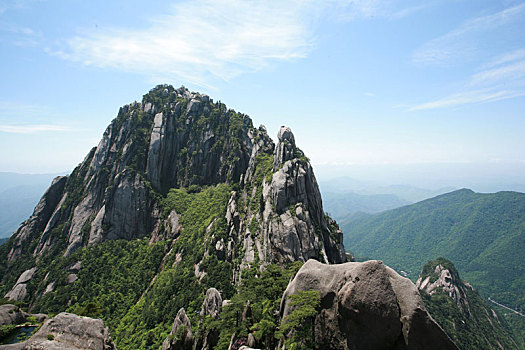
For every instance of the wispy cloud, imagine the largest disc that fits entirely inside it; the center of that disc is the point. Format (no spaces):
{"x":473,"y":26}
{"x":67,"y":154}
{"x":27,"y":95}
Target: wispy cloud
{"x":6,"y":5}
{"x":32,"y":128}
{"x":492,"y":78}
{"x":464,"y":41}
{"x":500,"y":79}
{"x":474,"y":96}
{"x":202,"y":41}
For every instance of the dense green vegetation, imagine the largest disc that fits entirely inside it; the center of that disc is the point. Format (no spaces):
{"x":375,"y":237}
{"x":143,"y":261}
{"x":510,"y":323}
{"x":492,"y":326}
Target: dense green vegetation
{"x":473,"y":325}
{"x":263,"y":290}
{"x":483,"y":234}
{"x":113,"y":276}
{"x":301,"y":320}
{"x":202,"y":215}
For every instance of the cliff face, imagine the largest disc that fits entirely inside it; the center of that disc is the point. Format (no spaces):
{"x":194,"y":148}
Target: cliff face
{"x":176,"y":138}
{"x":459,"y":309}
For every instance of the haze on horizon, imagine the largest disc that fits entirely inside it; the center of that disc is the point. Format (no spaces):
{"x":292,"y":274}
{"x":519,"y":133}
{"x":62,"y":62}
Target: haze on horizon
{"x":391,"y":92}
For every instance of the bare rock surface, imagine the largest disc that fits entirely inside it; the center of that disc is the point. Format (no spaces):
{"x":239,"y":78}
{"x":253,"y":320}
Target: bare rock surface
{"x":68,"y":331}
{"x":181,"y":337}
{"x":366,"y":306}
{"x":19,"y":290}
{"x":212,"y":304}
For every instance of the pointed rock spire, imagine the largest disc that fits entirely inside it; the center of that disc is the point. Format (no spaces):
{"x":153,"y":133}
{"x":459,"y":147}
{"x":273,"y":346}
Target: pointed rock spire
{"x":286,"y":148}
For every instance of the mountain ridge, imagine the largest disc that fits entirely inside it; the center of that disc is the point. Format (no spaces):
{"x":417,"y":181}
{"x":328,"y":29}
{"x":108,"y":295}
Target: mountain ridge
{"x":491,"y":225}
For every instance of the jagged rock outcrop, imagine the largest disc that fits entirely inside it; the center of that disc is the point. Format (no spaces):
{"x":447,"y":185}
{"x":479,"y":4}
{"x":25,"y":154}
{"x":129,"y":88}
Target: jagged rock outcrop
{"x":460,"y":310}
{"x":177,"y":138}
{"x":265,"y":204}
{"x":282,"y":209}
{"x":212,"y":304}
{"x":366,"y":306}
{"x":445,"y":280}
{"x":180,"y":337}
{"x":68,"y":331}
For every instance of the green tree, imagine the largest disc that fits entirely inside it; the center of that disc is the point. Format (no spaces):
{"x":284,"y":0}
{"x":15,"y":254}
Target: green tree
{"x":298,"y":326}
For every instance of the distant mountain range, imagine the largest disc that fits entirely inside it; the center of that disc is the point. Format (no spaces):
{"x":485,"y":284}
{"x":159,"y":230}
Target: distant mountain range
{"x":341,"y":205}
{"x":406,"y":193}
{"x":19,"y":193}
{"x":483,"y":234}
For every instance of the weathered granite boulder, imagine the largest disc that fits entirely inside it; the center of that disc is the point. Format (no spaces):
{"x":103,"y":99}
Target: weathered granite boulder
{"x":19,"y":290}
{"x":68,"y":331}
{"x":11,"y":314}
{"x":180,"y":337}
{"x":366,"y":306}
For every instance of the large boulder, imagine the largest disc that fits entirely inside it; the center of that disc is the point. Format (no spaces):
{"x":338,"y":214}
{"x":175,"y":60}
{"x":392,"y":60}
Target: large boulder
{"x":19,"y":290}
{"x":68,"y":331}
{"x":366,"y":306}
{"x":11,"y":314}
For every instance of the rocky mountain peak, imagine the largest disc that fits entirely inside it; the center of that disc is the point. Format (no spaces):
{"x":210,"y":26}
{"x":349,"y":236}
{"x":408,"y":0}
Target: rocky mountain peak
{"x":460,"y":310}
{"x":441,"y":276}
{"x":175,"y":139}
{"x":286,"y":148}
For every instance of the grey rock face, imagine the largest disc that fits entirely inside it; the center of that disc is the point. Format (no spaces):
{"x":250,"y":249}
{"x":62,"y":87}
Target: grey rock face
{"x":286,"y":148}
{"x":181,"y":337}
{"x":19,"y":290}
{"x":212,"y":304}
{"x":41,"y":215}
{"x":446,"y":282}
{"x":69,"y":331}
{"x":366,"y":306}
{"x":11,"y":314}
{"x":291,"y":224}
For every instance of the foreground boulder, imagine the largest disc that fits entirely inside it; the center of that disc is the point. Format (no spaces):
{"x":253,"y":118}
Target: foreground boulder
{"x":11,"y":314}
{"x":366,"y":306}
{"x":68,"y":331}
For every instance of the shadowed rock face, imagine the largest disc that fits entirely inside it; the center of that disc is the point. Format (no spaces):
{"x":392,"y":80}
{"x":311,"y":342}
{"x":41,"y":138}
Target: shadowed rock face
{"x":68,"y":331}
{"x":366,"y":306}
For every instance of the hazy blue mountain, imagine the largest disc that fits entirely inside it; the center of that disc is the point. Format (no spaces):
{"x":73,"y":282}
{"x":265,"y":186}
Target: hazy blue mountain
{"x":341,"y":205}
{"x":406,"y":193}
{"x":483,"y":234}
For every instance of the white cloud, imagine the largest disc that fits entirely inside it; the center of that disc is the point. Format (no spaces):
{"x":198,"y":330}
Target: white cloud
{"x":200,"y":39}
{"x":475,"y":96}
{"x":32,"y":129}
{"x":6,"y":5}
{"x":500,"y":79}
{"x":464,"y":41}
{"x":508,"y":72}
{"x":203,"y":41}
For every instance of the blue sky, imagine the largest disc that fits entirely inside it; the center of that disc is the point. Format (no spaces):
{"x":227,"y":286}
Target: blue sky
{"x":364,"y":84}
